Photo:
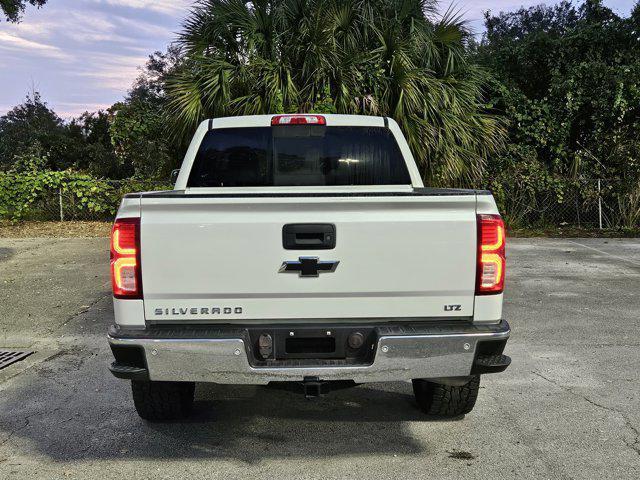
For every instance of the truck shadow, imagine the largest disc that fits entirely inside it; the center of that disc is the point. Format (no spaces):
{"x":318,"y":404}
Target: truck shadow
{"x":70,"y":408}
{"x":251,"y":423}
{"x":71,"y":417}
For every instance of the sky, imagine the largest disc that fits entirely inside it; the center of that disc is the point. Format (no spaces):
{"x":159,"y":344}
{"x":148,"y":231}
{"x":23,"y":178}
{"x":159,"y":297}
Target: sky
{"x":83,"y":55}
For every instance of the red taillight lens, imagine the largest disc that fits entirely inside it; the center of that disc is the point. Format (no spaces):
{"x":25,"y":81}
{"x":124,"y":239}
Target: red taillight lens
{"x":298,"y":120}
{"x":126,"y":274}
{"x":491,"y":255}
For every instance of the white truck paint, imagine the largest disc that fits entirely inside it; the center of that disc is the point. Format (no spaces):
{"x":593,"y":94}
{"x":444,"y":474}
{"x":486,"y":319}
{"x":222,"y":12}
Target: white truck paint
{"x":212,"y":255}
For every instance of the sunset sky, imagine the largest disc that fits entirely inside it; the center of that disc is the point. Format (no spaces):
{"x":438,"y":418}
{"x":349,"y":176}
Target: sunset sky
{"x":84,"y":54}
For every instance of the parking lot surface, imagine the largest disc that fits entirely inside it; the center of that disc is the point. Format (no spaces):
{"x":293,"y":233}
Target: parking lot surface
{"x":568,"y":407}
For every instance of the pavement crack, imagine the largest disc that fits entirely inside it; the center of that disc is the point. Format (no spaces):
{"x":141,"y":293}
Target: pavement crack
{"x":635,"y":445}
{"x":13,"y":432}
{"x":73,"y":316}
{"x":27,"y":422}
{"x":86,"y":309}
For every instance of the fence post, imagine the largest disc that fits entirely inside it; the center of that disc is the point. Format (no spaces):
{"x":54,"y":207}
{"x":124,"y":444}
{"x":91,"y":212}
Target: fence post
{"x":599,"y":205}
{"x":60,"y":200}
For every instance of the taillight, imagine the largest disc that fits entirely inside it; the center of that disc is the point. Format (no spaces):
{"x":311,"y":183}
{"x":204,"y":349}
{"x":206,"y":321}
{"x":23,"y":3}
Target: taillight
{"x":298,"y":120}
{"x":491,"y":255}
{"x":126,"y":274}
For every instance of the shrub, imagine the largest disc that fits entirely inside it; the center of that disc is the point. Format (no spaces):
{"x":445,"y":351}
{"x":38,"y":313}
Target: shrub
{"x":32,"y":195}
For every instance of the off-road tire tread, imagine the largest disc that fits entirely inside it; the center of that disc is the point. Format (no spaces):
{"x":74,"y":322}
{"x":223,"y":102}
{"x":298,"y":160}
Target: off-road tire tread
{"x":162,"y":401}
{"x":446,"y":400}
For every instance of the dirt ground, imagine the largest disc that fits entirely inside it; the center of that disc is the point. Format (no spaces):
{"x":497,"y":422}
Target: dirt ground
{"x":54,"y":229}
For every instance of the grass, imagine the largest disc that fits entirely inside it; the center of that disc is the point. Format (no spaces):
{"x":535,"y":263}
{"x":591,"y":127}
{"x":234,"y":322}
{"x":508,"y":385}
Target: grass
{"x":573,"y":232}
{"x":54,"y":229}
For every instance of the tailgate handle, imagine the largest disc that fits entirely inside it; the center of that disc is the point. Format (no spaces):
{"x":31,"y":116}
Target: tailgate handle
{"x":309,"y":236}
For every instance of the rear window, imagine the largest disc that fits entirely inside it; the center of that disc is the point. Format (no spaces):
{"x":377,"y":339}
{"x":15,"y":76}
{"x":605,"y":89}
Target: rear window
{"x":298,"y":155}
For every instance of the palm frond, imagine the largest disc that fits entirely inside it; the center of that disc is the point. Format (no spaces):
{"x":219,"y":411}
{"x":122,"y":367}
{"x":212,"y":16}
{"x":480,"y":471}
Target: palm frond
{"x":397,"y":58}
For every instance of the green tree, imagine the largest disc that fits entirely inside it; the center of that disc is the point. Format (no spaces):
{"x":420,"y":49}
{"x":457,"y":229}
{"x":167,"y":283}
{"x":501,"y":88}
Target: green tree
{"x":568,"y":82}
{"x":91,"y":149}
{"x":372,"y":57}
{"x":33,"y":130}
{"x":138,"y":127}
{"x":13,"y":9}
{"x":30,"y":123}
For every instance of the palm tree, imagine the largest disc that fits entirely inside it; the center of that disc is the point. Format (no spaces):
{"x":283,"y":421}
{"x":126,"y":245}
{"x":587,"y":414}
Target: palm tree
{"x":377,"y":57}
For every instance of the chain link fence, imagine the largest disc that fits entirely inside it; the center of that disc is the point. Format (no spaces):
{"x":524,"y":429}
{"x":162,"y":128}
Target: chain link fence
{"x":68,"y":199}
{"x":587,"y":203}
{"x":67,"y":206}
{"x":582,"y":203}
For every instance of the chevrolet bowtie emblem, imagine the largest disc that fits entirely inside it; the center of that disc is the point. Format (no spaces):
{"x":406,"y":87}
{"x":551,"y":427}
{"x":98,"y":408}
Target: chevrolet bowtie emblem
{"x":308,"y":267}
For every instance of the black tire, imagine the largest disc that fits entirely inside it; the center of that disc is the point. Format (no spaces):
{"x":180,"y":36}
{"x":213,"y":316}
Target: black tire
{"x":446,"y":400}
{"x":162,"y":401}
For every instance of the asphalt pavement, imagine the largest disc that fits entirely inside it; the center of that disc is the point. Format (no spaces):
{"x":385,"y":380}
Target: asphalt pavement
{"x":567,"y":408}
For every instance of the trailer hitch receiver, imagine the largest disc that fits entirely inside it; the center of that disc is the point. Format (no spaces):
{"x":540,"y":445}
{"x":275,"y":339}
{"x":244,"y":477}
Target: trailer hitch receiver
{"x":313,"y":387}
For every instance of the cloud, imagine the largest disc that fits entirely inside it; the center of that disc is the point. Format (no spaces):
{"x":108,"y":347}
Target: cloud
{"x":144,"y":28}
{"x":16,"y":43}
{"x":38,"y":30}
{"x":83,"y":55}
{"x":112,"y":71}
{"x":75,"y":109}
{"x":168,"y":7}
{"x":97,"y":28}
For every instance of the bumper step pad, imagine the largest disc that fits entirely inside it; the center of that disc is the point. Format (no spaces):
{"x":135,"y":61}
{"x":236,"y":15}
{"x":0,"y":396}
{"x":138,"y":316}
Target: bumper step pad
{"x":128,"y":372}
{"x":490,"y":364}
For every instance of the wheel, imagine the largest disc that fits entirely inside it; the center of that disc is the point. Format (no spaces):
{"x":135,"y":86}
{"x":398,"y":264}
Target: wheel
{"x":446,"y":400}
{"x":160,"y":401}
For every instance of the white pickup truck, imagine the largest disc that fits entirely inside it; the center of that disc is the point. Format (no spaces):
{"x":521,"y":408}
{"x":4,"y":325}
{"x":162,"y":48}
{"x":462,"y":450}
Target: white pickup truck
{"x":306,"y":249}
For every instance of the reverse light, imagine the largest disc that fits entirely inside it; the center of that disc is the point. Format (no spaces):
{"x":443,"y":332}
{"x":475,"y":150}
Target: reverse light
{"x":298,"y":120}
{"x":491,"y":255}
{"x":126,"y":274}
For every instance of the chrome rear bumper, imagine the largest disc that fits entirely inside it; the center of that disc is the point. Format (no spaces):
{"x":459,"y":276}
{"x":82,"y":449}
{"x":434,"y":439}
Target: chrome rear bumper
{"x":222,"y":356}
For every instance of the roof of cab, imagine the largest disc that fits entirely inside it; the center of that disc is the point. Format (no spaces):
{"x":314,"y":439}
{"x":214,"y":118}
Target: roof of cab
{"x":333,"y":120}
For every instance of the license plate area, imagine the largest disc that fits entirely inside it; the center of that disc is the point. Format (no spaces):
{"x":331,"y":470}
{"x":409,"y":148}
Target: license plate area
{"x":312,"y":343}
{"x":297,"y":343}
{"x":310,"y":346}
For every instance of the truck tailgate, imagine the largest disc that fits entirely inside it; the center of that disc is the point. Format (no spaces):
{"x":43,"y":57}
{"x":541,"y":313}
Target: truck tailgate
{"x":218,"y":258}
